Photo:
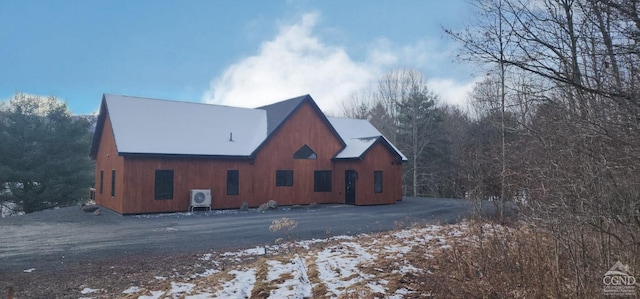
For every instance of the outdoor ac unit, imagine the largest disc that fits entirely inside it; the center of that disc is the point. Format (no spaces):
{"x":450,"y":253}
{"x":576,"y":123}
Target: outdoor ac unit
{"x":200,"y":198}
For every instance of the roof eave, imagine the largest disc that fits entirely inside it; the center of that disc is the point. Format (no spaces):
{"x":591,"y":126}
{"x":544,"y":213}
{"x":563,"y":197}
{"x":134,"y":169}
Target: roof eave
{"x":184,"y":156}
{"x":379,"y":139}
{"x":348,"y":158}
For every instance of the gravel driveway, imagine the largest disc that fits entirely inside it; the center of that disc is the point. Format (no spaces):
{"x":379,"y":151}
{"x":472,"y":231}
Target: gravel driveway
{"x":47,"y":240}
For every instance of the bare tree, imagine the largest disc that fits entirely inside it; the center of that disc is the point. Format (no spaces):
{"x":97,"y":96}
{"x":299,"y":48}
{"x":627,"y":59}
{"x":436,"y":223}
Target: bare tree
{"x":358,"y":104}
{"x":579,"y":154}
{"x":491,"y":41}
{"x":402,"y":108}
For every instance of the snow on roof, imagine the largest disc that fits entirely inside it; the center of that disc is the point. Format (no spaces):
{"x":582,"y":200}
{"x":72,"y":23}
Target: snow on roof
{"x":143,"y":126}
{"x":359,"y":135}
{"x":154,"y":126}
{"x":356,"y":147}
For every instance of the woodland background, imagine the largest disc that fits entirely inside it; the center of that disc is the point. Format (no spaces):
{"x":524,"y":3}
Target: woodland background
{"x":553,"y":126}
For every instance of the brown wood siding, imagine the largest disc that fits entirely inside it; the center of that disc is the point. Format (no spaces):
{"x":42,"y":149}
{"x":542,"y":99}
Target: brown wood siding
{"x":135,"y":175}
{"x":107,"y":159}
{"x":257,"y":177}
{"x":304,"y":127}
{"x":188,"y":174}
{"x":378,"y":158}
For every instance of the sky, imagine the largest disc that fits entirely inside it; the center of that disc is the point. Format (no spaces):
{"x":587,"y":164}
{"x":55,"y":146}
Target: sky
{"x":236,"y":53}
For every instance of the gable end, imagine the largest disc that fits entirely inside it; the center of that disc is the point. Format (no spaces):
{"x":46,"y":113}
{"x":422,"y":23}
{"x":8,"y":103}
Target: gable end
{"x":293,"y":106}
{"x":379,"y":140}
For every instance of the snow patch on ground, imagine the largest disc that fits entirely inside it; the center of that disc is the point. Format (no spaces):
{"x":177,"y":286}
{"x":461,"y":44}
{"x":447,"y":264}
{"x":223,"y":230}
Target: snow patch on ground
{"x":132,"y":290}
{"x":295,"y":282}
{"x":88,"y":291}
{"x":338,"y":266}
{"x":238,"y":287}
{"x":247,"y":252}
{"x":206,"y":256}
{"x":154,"y":295}
{"x":342,"y":266}
{"x":206,"y":273}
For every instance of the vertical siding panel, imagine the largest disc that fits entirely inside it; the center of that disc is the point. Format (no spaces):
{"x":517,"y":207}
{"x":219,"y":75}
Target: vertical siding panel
{"x":107,"y":159}
{"x":303,"y":127}
{"x":189,"y":173}
{"x":377,"y":158}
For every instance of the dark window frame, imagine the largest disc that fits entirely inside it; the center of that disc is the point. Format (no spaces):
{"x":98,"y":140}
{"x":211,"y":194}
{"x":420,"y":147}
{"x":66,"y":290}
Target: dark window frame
{"x":163,"y":184}
{"x":101,"y":181}
{"x":113,"y":183}
{"x":233,"y":182}
{"x":377,"y":181}
{"x":322,"y":180}
{"x":284,"y":178}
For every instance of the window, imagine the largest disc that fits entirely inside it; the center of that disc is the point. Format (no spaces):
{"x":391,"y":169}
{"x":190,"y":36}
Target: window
{"x":113,"y":183}
{"x":233,"y":182}
{"x":101,"y":180}
{"x":322,"y":181}
{"x":164,"y":184}
{"x":377,"y":181}
{"x":305,"y":152}
{"x":284,"y":177}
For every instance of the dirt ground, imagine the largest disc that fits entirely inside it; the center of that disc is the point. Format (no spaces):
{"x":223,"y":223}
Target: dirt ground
{"x":111,"y":277}
{"x":61,"y":243}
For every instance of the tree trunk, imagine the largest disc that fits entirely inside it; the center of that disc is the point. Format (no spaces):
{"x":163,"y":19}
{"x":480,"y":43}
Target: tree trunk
{"x":415,"y":151}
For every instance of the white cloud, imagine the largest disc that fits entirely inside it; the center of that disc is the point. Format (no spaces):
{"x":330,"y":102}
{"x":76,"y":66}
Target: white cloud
{"x":450,"y":91}
{"x":429,"y":58}
{"x":425,"y":54}
{"x":296,"y":62}
{"x":381,"y":53}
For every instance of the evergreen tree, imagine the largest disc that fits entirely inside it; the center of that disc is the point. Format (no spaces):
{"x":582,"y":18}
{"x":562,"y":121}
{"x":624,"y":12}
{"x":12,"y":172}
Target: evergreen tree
{"x":416,"y":132}
{"x":43,"y":154}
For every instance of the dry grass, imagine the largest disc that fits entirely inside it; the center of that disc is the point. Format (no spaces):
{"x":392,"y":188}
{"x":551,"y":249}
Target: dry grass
{"x":319,"y":289}
{"x":471,"y":260}
{"x":476,"y":260}
{"x":497,"y":262}
{"x":217,"y":279}
{"x":358,"y":291}
{"x":262,"y":288}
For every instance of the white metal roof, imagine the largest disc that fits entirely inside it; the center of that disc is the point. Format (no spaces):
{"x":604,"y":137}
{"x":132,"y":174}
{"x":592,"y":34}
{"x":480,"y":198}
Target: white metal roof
{"x":359,"y":135}
{"x":151,"y":126}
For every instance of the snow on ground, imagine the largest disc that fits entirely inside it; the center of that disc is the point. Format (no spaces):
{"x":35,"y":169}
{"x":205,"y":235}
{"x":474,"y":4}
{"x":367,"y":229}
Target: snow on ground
{"x":89,"y":291}
{"x":238,"y":287}
{"x":368,"y":265}
{"x":293,"y":274}
{"x":9,"y":208}
{"x":132,"y":290}
{"x":338,"y":266}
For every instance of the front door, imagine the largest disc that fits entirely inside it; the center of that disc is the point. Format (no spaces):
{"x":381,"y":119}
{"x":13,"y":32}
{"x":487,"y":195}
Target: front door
{"x":350,"y":187}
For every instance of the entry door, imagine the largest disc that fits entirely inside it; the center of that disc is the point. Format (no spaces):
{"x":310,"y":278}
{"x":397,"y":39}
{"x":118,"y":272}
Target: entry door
{"x":350,"y":187}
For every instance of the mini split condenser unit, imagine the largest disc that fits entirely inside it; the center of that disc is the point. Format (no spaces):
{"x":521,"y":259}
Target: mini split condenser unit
{"x":200,"y":198}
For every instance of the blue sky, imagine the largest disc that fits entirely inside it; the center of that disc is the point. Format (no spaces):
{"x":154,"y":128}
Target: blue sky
{"x":239,"y":53}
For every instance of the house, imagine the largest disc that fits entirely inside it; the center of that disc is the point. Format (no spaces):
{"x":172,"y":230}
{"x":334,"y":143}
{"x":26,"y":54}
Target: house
{"x":151,"y":153}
